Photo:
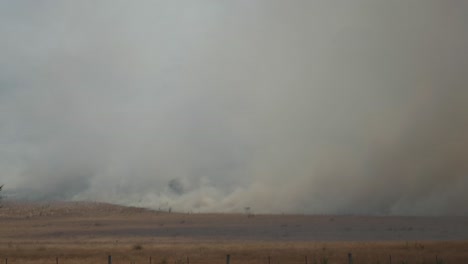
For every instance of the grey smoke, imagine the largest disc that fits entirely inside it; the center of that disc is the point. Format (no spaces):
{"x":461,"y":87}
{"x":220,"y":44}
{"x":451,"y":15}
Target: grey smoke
{"x":282,"y":106}
{"x":176,"y":186}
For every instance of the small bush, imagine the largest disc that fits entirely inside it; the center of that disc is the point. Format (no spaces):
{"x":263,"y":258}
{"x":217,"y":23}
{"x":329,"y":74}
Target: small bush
{"x":324,"y":260}
{"x":137,"y":247}
{"x":439,"y":261}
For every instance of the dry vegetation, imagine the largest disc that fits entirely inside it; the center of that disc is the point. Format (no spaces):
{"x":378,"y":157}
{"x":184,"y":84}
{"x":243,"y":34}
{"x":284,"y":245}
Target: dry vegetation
{"x":241,"y":252}
{"x":89,"y":232}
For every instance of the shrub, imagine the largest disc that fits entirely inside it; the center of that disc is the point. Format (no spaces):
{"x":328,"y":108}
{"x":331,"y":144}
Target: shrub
{"x":137,"y":247}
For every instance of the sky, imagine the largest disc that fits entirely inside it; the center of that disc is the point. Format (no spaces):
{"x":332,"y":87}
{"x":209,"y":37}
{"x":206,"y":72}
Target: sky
{"x":316,"y":107}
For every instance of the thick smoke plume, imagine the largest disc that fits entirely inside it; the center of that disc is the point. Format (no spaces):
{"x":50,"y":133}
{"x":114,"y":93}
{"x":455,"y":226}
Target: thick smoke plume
{"x":212,"y":105}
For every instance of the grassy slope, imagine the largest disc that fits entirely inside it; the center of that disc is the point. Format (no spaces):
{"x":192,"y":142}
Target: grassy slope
{"x":88,"y":232}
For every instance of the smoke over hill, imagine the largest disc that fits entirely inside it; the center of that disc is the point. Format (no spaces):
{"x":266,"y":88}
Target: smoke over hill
{"x":282,"y":106}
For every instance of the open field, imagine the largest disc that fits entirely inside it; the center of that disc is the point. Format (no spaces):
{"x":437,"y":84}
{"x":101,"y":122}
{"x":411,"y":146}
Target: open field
{"x":89,"y":232}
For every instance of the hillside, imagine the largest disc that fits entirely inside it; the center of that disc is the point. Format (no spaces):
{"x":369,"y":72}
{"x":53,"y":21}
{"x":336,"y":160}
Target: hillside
{"x":44,"y":221}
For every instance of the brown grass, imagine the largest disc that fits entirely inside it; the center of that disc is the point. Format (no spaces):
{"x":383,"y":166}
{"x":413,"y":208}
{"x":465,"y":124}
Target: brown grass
{"x":241,"y":252}
{"x":88,"y":233}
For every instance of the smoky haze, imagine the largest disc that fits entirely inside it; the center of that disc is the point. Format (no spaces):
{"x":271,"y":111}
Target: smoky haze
{"x":297,"y":106}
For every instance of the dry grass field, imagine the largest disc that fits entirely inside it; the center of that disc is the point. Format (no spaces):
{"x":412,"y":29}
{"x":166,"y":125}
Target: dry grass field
{"x":89,"y":232}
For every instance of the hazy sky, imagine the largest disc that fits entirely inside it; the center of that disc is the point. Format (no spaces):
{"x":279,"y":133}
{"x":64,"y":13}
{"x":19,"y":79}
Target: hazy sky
{"x":214,"y":105}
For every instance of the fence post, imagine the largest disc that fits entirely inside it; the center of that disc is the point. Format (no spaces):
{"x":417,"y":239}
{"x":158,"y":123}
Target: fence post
{"x":6,"y":260}
{"x":56,"y":260}
{"x":306,"y":261}
{"x":109,"y":259}
{"x":390,"y":257}
{"x":150,"y":260}
{"x":350,"y":258}
{"x":188,"y":260}
{"x":228,"y":259}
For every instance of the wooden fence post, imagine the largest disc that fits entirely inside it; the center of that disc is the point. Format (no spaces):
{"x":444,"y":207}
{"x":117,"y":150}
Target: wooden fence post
{"x":109,"y":259}
{"x":150,"y":260}
{"x":350,"y":258}
{"x":6,"y":260}
{"x":306,"y":261}
{"x":228,"y":259}
{"x":188,"y":260}
{"x":390,"y":258}
{"x":56,"y":260}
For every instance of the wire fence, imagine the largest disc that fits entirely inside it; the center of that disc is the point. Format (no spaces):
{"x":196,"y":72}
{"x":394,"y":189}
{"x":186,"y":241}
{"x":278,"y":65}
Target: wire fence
{"x":229,"y":259}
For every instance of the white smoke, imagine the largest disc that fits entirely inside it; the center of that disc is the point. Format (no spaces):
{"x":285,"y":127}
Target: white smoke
{"x":282,"y":106}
